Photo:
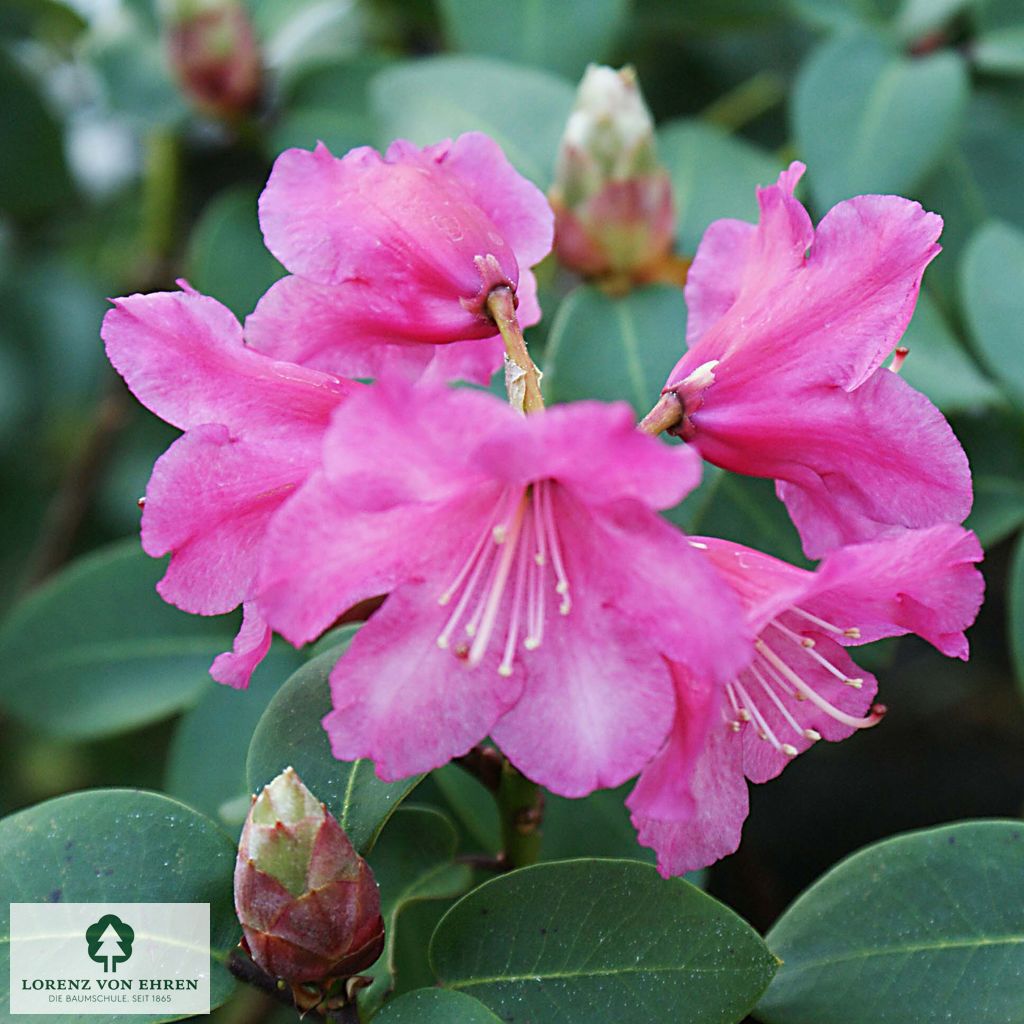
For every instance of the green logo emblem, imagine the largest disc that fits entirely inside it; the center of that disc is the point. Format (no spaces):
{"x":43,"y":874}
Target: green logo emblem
{"x":110,"y":942}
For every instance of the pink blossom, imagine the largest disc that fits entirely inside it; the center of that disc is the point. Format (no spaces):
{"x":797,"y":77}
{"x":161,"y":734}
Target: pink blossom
{"x":253,"y":429}
{"x":535,"y":594}
{"x":394,"y":256}
{"x":801,"y":685}
{"x":788,"y":327}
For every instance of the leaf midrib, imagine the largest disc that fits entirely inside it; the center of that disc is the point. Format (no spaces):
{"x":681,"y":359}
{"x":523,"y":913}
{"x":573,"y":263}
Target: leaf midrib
{"x":910,"y":950}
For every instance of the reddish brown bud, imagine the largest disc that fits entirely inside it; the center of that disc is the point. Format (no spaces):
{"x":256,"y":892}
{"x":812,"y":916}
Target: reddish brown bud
{"x":308,"y":903}
{"x":213,"y":51}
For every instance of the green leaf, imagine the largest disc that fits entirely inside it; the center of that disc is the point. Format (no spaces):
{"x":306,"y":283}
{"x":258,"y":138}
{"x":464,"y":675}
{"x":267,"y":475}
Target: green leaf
{"x":939,"y":366}
{"x":290,"y":734}
{"x":206,"y":762}
{"x":714,"y":175}
{"x":33,"y":172}
{"x":926,"y":927}
{"x":1015,"y":609}
{"x":979,"y":178}
{"x":596,"y":826}
{"x":615,"y":348}
{"x":1000,"y":52}
{"x":997,"y":471}
{"x":472,"y":803}
{"x":435,"y":1006}
{"x":329,"y":103}
{"x":587,"y":940}
{"x":992,"y":287}
{"x":560,"y":37}
{"x":414,"y":860}
{"x":524,"y":110}
{"x":95,"y":651}
{"x":119,"y":846}
{"x":870,"y":120}
{"x":226,"y":255}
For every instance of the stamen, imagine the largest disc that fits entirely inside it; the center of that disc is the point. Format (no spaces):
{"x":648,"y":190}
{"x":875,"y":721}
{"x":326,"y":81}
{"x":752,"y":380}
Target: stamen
{"x":764,"y":729}
{"x":535,"y":607}
{"x":802,"y":641}
{"x":816,"y":699}
{"x":853,"y":633}
{"x":898,"y":358}
{"x":776,"y":700}
{"x":488,"y":611}
{"x":505,"y":668}
{"x":478,"y":547}
{"x":562,"y":586}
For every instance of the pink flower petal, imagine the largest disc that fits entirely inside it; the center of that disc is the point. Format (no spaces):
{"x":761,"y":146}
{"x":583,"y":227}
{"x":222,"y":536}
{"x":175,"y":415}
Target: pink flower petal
{"x":183,"y":357}
{"x":851,"y":465}
{"x":208,"y":503}
{"x":517,"y":207}
{"x":917,"y":581}
{"x":346,"y":330}
{"x":401,"y":700}
{"x":596,"y":704}
{"x":663,"y":790}
{"x":323,"y":556}
{"x":720,"y":795}
{"x":234,"y":668}
{"x":761,"y":761}
{"x":389,"y":223}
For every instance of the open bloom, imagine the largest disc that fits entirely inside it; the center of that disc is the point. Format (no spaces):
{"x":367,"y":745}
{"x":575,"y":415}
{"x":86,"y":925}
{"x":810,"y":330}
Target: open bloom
{"x":393,"y":258}
{"x":801,"y":685}
{"x":534,"y":593}
{"x":253,"y":429}
{"x":787,"y":330}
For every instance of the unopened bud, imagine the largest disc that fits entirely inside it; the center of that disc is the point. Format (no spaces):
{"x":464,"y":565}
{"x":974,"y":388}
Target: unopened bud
{"x":213,"y":51}
{"x":612,"y":199}
{"x":308,"y":903}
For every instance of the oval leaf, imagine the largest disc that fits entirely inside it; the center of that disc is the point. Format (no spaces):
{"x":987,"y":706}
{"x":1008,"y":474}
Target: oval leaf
{"x":289,"y":734}
{"x":561,"y":37}
{"x":206,"y":762}
{"x":714,"y":175}
{"x":524,"y":110}
{"x":96,"y":651}
{"x":226,"y":255}
{"x":936,"y":917}
{"x":615,"y":348}
{"x":119,"y":846}
{"x":600,"y":939}
{"x":414,"y":860}
{"x":435,"y":1006}
{"x":992,"y":286}
{"x":869,"y":120}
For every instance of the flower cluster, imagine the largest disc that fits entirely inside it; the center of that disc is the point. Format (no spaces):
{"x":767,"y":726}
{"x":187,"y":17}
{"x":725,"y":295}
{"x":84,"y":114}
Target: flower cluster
{"x":534,"y":593}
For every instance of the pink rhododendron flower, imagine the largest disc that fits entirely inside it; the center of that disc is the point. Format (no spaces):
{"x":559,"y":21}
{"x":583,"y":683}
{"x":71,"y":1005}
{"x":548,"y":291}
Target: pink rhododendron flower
{"x":535,"y":594}
{"x":253,"y":430}
{"x":788,"y":327}
{"x":394,"y":256}
{"x":801,"y":685}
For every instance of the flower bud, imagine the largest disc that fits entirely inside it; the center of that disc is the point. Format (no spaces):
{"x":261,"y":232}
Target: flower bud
{"x":612,"y":199}
{"x":213,"y":51}
{"x":308,"y":903}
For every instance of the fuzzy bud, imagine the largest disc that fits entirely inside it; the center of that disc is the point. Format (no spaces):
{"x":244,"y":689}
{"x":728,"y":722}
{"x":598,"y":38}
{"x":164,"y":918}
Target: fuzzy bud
{"x":213,"y":51}
{"x":612,"y":199}
{"x":308,"y":903}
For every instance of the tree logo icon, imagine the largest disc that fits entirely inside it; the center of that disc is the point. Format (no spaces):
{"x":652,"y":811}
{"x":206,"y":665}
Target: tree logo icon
{"x":110,"y":942}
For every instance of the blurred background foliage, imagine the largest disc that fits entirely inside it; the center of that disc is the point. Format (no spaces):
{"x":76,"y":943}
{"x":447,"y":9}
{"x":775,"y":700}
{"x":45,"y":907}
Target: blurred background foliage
{"x":136,"y":137}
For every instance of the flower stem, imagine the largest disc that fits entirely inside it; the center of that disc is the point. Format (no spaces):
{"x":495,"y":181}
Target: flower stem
{"x":667,"y":413}
{"x":522,"y":378}
{"x":521,"y":807}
